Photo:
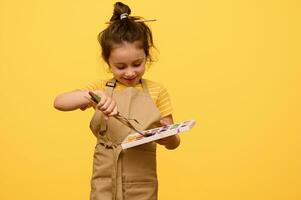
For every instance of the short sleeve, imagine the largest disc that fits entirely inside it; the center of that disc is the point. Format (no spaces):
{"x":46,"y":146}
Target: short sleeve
{"x":164,"y":103}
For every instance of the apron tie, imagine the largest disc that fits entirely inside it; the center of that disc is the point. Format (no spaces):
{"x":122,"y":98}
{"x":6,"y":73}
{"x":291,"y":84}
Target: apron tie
{"x":116,"y":150}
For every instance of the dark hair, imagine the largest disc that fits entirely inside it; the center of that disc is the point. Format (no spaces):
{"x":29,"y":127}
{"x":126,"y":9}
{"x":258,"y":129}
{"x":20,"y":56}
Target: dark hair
{"x":125,"y":30}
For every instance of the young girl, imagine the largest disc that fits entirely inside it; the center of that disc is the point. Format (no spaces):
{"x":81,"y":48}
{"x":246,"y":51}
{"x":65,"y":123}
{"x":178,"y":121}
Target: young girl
{"x":124,"y":174}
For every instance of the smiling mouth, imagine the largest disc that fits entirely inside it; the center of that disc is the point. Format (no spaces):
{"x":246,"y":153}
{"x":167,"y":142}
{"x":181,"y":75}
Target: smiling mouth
{"x":129,"y":79}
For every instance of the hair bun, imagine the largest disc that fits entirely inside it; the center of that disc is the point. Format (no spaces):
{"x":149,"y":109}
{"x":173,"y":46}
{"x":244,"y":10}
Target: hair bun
{"x":120,"y":8}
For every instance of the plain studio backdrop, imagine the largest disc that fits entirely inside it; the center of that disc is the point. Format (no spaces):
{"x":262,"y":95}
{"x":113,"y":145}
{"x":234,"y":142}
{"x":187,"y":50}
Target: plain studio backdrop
{"x":233,"y":66}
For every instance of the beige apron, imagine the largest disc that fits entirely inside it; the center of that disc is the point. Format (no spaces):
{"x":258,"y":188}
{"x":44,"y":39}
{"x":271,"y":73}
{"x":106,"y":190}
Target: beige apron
{"x":124,"y":174}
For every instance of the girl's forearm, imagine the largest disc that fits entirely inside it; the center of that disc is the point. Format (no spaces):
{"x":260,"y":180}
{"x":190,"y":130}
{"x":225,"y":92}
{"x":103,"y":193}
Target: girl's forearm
{"x":72,"y":100}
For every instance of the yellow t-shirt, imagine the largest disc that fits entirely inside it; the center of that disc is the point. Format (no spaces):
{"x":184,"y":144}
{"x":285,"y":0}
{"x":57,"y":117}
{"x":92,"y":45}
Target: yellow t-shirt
{"x":157,"y":92}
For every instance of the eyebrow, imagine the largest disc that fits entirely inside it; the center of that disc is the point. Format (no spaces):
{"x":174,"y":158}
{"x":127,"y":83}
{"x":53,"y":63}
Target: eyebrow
{"x":120,"y":63}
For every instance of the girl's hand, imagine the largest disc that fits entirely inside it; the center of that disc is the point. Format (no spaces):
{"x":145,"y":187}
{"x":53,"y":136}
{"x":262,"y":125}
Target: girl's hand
{"x":107,"y":105}
{"x":170,"y":142}
{"x":163,"y":141}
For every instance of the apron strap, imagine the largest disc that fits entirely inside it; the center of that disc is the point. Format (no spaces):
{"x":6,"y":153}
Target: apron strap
{"x":110,"y":86}
{"x":104,"y":125}
{"x":144,"y":86}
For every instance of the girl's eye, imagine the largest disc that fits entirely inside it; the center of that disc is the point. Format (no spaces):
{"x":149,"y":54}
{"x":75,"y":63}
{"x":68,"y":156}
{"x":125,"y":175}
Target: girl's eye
{"x":120,"y":67}
{"x":137,"y":64}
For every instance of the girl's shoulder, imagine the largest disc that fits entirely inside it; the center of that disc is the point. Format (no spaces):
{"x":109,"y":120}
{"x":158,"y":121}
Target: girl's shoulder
{"x":154,"y":86}
{"x":160,"y":96}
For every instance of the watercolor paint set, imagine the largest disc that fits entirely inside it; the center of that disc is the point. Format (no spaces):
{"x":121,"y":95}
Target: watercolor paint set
{"x":150,"y":135}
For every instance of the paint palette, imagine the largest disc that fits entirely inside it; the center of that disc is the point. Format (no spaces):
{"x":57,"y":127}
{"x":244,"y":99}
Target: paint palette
{"x":150,"y":135}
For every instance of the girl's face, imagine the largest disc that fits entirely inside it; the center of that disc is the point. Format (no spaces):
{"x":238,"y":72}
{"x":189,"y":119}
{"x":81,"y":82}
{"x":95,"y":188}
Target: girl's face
{"x":127,"y":63}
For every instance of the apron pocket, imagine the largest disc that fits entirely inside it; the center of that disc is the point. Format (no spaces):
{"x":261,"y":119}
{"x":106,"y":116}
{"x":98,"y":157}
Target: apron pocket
{"x":102,"y":162}
{"x":142,"y":190}
{"x":139,"y":163}
{"x":101,"y":189}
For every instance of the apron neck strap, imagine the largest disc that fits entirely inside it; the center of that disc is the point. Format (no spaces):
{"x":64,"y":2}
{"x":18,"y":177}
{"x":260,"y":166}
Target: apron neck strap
{"x":144,"y":86}
{"x":111,"y":84}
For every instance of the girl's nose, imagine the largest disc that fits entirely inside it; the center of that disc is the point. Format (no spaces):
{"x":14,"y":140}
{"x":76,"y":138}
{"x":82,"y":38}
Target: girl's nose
{"x":130,"y":73}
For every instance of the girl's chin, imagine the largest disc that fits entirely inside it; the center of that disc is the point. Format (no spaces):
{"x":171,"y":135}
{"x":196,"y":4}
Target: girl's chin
{"x":130,"y":82}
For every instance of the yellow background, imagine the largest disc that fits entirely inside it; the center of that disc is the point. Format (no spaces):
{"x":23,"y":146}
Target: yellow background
{"x":234,"y":66}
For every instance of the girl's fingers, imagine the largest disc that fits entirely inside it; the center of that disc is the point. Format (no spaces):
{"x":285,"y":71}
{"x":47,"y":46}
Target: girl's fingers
{"x":111,"y":108}
{"x":105,"y":106}
{"x":114,"y":110}
{"x":103,"y":100}
{"x":108,"y":107}
{"x":163,"y":123}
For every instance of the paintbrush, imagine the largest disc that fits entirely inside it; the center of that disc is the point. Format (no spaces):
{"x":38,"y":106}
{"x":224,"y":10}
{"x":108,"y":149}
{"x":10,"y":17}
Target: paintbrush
{"x":95,"y":98}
